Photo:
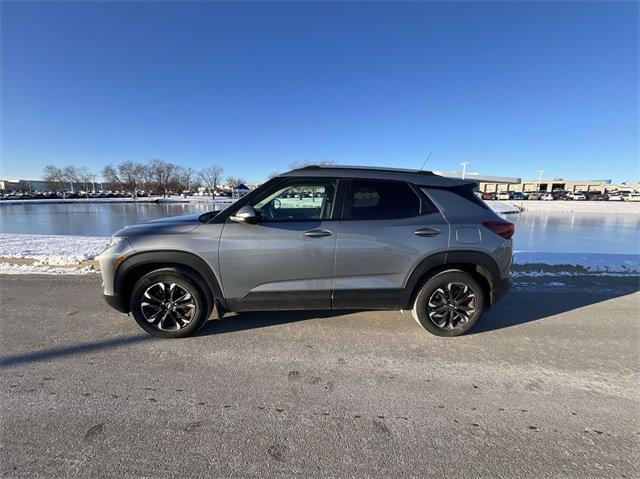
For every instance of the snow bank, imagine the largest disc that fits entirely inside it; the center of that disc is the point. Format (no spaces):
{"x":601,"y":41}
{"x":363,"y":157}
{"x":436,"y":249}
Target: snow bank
{"x":575,"y":264}
{"x":7,"y":268}
{"x":51,"y":249}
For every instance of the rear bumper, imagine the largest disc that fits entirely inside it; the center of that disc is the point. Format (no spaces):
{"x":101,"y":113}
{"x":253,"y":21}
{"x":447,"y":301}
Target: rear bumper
{"x":115,"y":301}
{"x":500,"y":287}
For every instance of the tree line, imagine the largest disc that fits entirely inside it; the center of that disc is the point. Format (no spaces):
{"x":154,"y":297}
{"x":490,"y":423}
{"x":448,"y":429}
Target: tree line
{"x":156,"y":176}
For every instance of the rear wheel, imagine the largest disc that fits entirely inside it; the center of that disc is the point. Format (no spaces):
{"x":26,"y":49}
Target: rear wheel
{"x":449,"y":304}
{"x":170,"y":303}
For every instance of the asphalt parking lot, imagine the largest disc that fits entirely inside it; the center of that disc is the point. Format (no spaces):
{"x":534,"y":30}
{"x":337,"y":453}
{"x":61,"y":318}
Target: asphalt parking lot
{"x":546,"y":386}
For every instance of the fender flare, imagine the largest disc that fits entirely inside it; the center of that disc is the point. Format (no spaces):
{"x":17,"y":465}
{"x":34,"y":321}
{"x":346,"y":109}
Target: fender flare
{"x":174,"y":257}
{"x":484,"y":265}
{"x":475,"y":257}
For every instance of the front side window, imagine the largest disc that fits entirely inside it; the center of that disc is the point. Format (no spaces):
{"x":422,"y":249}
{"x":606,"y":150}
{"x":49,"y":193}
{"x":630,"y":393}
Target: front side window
{"x":383,"y":200}
{"x":310,"y":200}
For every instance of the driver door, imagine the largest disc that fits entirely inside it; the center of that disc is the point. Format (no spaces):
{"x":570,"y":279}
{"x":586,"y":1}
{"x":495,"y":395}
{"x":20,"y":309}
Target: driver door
{"x":286,"y":259}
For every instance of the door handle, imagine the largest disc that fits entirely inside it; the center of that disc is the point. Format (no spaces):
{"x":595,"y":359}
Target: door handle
{"x":317,"y":233}
{"x":427,"y":232}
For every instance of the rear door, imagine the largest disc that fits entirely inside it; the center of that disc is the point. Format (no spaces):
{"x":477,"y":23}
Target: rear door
{"x":286,"y":259}
{"x":388,"y":228}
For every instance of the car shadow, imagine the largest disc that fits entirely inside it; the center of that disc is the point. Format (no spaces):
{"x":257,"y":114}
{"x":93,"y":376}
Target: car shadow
{"x":521,"y":307}
{"x":73,"y":350}
{"x":265,"y":319}
{"x":518,"y":307}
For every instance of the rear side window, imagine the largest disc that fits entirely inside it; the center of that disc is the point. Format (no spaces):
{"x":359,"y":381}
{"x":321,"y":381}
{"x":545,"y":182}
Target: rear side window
{"x":466,"y":191}
{"x":373,"y":199}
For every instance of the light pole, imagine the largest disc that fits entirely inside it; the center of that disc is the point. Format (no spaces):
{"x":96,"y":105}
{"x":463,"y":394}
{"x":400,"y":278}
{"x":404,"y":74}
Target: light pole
{"x":464,"y":168}
{"x":540,"y":178}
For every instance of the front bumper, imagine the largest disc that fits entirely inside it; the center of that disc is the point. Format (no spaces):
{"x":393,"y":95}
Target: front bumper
{"x":109,"y":260}
{"x":115,"y":301}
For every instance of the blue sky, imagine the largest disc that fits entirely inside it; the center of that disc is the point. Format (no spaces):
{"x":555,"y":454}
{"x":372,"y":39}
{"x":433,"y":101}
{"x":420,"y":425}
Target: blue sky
{"x":510,"y":87}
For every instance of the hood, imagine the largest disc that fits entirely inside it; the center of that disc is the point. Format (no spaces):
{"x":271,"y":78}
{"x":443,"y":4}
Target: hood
{"x":166,"y":225}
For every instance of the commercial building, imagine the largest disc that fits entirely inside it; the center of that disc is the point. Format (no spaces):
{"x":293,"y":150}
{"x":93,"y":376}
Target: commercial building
{"x":23,"y":185}
{"x":496,"y":184}
{"x":601,"y":186}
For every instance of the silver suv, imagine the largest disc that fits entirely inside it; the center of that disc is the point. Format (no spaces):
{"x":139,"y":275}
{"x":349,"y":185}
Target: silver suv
{"x":318,"y":238}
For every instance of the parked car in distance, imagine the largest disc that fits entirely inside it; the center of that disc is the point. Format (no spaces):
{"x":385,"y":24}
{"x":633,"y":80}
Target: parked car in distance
{"x":377,"y":238}
{"x":575,"y":196}
{"x":519,"y":196}
{"x":488,"y":196}
{"x":504,"y":195}
{"x":634,"y":197}
{"x":559,"y":194}
{"x":535,"y":195}
{"x":592,"y":195}
{"x":547,"y":197}
{"x":613,"y":196}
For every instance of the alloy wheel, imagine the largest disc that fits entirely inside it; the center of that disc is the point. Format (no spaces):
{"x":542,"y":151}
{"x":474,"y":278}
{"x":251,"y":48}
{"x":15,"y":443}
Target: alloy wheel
{"x":168,"y":306}
{"x":451,"y":306}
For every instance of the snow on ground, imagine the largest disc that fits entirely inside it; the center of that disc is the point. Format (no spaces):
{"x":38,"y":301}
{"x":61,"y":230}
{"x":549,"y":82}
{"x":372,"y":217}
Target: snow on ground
{"x":575,"y":264}
{"x":7,"y":268}
{"x":46,"y":253}
{"x":51,"y":249}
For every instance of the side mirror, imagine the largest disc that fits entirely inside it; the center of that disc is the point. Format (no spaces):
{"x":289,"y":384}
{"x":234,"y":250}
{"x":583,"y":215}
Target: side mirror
{"x":246,"y":214}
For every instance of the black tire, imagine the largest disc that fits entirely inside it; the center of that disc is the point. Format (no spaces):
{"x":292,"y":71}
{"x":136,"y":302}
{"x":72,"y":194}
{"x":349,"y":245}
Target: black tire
{"x":170,"y":322}
{"x":456,"y":318}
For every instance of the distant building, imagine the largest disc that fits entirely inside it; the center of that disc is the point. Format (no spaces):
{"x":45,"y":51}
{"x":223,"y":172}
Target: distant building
{"x":496,"y":184}
{"x":503,"y":180}
{"x":23,"y":185}
{"x":549,"y":185}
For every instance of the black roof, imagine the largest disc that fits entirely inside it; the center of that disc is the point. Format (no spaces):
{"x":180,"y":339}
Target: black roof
{"x":418,"y":177}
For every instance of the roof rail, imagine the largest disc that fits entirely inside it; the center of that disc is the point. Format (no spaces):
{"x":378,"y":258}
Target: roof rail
{"x":366,"y":168}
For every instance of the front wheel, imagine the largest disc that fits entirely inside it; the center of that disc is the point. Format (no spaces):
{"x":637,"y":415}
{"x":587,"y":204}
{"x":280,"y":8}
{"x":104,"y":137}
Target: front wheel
{"x":169,"y":303}
{"x":449,"y":304}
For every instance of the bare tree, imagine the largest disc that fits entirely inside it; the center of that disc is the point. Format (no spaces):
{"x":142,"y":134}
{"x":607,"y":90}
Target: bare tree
{"x":126,"y":176}
{"x":110,"y":175}
{"x":132,"y":175}
{"x":81,"y":176}
{"x":55,"y":177}
{"x":185,"y":178}
{"x":162,"y":174}
{"x":210,"y":177}
{"x":145,"y":177}
{"x":85,"y":177}
{"x":71,"y":175}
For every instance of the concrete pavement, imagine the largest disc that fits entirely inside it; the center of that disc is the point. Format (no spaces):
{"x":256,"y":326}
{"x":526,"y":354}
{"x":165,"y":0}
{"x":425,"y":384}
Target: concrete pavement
{"x":546,"y":386}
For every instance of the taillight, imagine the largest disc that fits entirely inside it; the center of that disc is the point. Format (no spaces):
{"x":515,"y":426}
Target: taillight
{"x":502,"y":228}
